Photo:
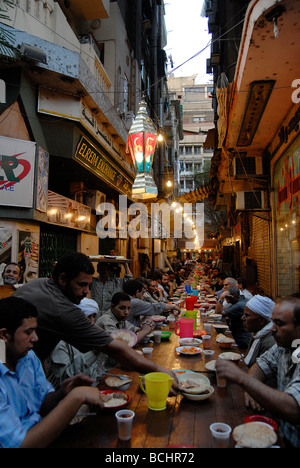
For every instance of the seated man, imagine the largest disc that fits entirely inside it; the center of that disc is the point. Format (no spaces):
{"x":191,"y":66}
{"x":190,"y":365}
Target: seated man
{"x":116,"y":318}
{"x":66,"y":361}
{"x":282,"y":403}
{"x":151,"y":291}
{"x":234,"y":313}
{"x":32,"y":414}
{"x":11,"y":274}
{"x":257,"y":319}
{"x":241,"y":282}
{"x":162,"y":284}
{"x":139,"y":308}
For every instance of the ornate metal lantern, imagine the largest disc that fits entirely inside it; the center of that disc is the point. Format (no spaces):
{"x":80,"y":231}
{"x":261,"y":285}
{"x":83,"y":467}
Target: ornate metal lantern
{"x":142,"y":142}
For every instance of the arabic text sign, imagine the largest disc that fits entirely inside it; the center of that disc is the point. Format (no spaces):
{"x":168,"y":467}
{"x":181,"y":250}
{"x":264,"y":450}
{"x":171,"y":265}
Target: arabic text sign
{"x":91,"y":157}
{"x":17,"y":165}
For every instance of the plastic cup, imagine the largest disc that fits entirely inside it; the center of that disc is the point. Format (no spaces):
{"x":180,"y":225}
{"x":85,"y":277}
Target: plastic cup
{"x":148,"y":353}
{"x":157,"y":336}
{"x":171,"y":322}
{"x":207,"y":327}
{"x":124,"y":420}
{"x":206,"y":341}
{"x":221,"y":381}
{"x":220,"y":435}
{"x":208,"y":354}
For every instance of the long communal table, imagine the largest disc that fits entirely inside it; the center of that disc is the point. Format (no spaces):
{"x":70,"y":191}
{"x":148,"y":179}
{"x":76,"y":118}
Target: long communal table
{"x":183,"y":422}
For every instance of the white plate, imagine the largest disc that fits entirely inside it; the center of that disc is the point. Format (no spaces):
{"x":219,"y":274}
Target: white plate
{"x":180,"y":350}
{"x":201,"y":397}
{"x":127,"y":336}
{"x":158,"y":318}
{"x":195,"y":341}
{"x":211,"y":366}
{"x":202,"y":381}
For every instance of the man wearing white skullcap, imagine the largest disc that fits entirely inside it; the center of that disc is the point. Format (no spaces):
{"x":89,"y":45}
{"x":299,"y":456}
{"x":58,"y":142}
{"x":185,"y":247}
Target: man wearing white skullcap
{"x":66,"y":361}
{"x":257,"y":319}
{"x":89,"y":307}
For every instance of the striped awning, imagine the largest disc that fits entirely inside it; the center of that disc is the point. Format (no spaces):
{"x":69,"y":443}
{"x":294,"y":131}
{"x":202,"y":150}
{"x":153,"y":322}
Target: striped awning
{"x":200,"y":194}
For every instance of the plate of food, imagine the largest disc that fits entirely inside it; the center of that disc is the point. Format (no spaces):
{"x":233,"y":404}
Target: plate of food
{"x":198,"y":333}
{"x":114,"y":382}
{"x":235,"y":357}
{"x":211,"y":366}
{"x":181,"y":371}
{"x":189,"y":350}
{"x":158,"y":318}
{"x":190,"y":342}
{"x":200,"y":396}
{"x":193,"y":383}
{"x":224,"y":341}
{"x":114,"y":399}
{"x":254,"y":435}
{"x":215,"y":317}
{"x":126,"y":336}
{"x":261,"y":418}
{"x":165,"y":335}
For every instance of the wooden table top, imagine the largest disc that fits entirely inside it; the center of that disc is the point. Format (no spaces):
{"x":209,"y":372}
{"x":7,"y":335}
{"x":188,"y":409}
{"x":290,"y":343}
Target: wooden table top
{"x":182,"y":422}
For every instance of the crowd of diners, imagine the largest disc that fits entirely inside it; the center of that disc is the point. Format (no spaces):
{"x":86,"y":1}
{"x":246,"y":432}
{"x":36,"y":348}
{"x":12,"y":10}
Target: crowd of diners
{"x":57,"y":337}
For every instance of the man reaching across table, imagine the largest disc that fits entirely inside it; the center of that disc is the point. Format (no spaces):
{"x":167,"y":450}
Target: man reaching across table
{"x":56,"y":300}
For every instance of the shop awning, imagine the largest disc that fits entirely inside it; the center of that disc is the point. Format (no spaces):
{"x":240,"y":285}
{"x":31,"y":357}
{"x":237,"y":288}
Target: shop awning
{"x":211,"y":139}
{"x":268,"y":62}
{"x":200,"y":194}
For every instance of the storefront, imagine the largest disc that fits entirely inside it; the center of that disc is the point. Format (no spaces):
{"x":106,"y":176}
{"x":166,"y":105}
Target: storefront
{"x":286,"y":183}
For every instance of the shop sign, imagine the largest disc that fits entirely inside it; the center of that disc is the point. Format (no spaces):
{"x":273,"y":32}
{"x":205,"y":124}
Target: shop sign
{"x":285,"y":131}
{"x":28,"y":255}
{"x":70,"y":107}
{"x":68,"y":213}
{"x":42,"y":180}
{"x":17,"y":166}
{"x":287,"y":180}
{"x":88,"y":155}
{"x":5,"y":248}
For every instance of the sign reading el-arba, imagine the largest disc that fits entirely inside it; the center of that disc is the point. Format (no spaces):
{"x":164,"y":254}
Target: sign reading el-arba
{"x":91,"y":157}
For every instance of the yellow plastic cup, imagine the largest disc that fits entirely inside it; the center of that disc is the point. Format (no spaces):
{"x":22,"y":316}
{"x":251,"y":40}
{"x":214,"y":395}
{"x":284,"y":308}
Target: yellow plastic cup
{"x":157,"y":388}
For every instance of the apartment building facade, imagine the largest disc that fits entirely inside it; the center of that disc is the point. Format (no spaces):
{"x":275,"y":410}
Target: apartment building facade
{"x":197,"y":120}
{"x":73,"y":83}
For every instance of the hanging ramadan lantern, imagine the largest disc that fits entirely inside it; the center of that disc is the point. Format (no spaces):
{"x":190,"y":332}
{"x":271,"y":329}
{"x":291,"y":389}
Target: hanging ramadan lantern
{"x":141,"y":142}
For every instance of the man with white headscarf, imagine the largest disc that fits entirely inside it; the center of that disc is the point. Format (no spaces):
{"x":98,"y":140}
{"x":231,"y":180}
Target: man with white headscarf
{"x":257,"y":319}
{"x":66,"y":361}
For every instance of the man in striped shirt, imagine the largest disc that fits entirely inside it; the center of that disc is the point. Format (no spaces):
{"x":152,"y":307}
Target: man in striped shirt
{"x":279,"y":362}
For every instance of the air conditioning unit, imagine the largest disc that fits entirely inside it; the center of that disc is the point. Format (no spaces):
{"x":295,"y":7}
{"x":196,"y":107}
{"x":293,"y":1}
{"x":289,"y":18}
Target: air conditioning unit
{"x":94,"y":198}
{"x":248,"y":167}
{"x":254,"y":201}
